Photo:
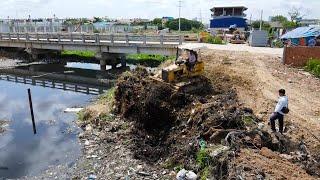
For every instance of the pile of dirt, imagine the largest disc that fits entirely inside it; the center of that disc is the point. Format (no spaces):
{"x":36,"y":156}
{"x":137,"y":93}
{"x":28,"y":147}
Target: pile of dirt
{"x":169,"y":124}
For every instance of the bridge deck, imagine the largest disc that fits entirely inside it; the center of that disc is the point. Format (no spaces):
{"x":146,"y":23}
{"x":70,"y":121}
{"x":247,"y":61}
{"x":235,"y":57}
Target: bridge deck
{"x":113,"y":43}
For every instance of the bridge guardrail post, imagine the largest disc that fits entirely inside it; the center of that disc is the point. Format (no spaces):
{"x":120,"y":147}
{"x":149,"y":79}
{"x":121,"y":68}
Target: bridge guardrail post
{"x":18,"y":37}
{"x":9,"y":36}
{"x":59,"y":37}
{"x":127,"y":39}
{"x":180,"y":39}
{"x":27,"y":37}
{"x":83,"y":38}
{"x":37,"y":37}
{"x":48,"y":38}
{"x":97,"y":38}
{"x":71,"y":37}
{"x":144,"y":39}
{"x":161,"y":39}
{"x":1,"y":36}
{"x":112,"y":38}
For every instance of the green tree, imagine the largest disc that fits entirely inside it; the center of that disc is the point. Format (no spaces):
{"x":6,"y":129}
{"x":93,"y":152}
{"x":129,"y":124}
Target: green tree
{"x":97,"y":19}
{"x":279,"y":18}
{"x":265,"y":26}
{"x":157,"y":22}
{"x":186,"y":25}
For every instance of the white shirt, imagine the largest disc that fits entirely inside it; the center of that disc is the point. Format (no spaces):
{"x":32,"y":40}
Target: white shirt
{"x":192,"y":58}
{"x":282,"y":102}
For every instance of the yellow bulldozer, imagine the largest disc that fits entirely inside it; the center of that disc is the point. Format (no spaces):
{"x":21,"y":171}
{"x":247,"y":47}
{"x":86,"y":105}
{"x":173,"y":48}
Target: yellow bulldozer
{"x":185,"y":72}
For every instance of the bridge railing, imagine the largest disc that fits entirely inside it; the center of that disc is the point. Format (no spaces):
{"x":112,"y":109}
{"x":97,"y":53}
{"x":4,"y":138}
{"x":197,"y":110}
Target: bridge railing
{"x":93,"y":38}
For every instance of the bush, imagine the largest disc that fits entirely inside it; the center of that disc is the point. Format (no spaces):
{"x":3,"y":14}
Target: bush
{"x":313,"y":66}
{"x":147,"y":59}
{"x":208,"y":38}
{"x":214,"y":40}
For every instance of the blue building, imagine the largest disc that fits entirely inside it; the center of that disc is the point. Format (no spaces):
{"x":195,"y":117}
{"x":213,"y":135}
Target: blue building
{"x":226,"y":17}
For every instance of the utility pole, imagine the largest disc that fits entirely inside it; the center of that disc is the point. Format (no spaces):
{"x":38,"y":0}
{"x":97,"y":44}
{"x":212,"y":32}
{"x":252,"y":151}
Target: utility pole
{"x":180,"y":1}
{"x":261,"y":20}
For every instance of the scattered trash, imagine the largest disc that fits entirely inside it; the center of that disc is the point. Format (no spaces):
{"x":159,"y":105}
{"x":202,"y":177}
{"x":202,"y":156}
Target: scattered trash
{"x":143,"y":173}
{"x":186,"y":175}
{"x":73,"y":110}
{"x":92,"y":177}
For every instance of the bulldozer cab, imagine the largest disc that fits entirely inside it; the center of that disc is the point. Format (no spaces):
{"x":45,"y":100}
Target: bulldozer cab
{"x":188,"y":64}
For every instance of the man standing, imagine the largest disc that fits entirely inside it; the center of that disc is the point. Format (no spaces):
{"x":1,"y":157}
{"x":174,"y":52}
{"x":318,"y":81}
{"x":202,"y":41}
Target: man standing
{"x":280,"y":110}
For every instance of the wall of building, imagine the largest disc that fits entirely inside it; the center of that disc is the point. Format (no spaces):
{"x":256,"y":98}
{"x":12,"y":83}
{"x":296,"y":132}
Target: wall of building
{"x":299,"y":56}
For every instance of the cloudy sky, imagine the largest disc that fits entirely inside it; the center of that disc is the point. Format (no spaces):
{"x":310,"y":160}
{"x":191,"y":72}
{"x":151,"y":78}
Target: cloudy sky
{"x":148,"y":8}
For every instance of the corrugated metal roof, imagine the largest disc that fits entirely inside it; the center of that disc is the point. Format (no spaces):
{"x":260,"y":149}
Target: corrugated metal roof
{"x":302,"y":32}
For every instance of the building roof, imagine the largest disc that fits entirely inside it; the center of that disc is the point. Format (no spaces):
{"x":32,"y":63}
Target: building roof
{"x":276,"y":24}
{"x":226,"y":7}
{"x":302,"y":32}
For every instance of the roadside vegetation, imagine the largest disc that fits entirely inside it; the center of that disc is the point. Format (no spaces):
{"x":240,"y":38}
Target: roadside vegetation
{"x":147,"y":59}
{"x":80,"y":54}
{"x":313,"y":66}
{"x":208,"y":38}
{"x":101,"y":111}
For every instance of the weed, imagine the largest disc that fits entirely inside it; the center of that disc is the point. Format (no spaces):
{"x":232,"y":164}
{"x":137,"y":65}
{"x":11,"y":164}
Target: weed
{"x":108,"y":96}
{"x":106,"y":117}
{"x":248,"y":120}
{"x":203,"y":158}
{"x":83,"y":54}
{"x":205,"y":173}
{"x":313,"y":66}
{"x":147,"y":59}
{"x":83,"y":115}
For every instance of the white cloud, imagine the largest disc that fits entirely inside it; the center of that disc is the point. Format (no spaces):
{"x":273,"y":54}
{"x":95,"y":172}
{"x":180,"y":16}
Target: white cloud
{"x":148,"y":8}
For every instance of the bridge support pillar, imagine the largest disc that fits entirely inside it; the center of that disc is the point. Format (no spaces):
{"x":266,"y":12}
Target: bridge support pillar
{"x":103,"y":64}
{"x":35,"y":53}
{"x":112,"y":59}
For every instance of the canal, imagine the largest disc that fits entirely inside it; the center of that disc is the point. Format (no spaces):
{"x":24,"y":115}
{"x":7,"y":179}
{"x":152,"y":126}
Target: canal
{"x":21,"y":152}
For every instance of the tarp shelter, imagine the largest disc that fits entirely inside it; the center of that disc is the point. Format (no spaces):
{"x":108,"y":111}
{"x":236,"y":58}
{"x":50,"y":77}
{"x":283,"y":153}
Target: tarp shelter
{"x":301,"y":36}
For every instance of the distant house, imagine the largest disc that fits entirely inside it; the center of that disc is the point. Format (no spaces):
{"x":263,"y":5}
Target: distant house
{"x":309,"y":22}
{"x":226,"y":17}
{"x":165,"y":20}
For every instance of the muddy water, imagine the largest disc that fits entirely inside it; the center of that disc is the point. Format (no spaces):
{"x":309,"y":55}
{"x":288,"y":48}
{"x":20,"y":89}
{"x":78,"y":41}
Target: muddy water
{"x":21,"y":152}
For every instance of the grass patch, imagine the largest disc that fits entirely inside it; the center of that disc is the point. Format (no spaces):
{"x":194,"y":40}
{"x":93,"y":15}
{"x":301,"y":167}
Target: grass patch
{"x":84,"y":115}
{"x":203,"y":158}
{"x":208,"y":38}
{"x":313,"y":66}
{"x":80,"y":54}
{"x":108,"y":96}
{"x":147,"y":59}
{"x":106,"y":117}
{"x":248,"y":120}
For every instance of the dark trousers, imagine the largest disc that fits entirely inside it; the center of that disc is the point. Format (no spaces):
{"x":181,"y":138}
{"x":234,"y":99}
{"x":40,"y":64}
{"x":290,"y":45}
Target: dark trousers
{"x":273,"y":118}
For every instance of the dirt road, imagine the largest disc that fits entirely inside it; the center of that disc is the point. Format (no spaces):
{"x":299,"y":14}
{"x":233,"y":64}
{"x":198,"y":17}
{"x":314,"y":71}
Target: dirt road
{"x":257,"y":78}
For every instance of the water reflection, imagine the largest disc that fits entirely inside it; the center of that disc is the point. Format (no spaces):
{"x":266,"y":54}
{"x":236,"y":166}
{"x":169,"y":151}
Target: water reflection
{"x":21,"y":152}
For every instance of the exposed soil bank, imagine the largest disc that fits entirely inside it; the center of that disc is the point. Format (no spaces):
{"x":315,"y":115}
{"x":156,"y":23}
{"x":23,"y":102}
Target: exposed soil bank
{"x":151,"y":132}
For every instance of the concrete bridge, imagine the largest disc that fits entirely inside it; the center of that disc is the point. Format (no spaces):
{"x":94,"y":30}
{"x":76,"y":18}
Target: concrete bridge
{"x":110,"y":48}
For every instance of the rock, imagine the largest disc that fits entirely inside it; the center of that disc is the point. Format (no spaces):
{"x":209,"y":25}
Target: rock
{"x":186,"y":175}
{"x":286,"y":156}
{"x":87,"y":143}
{"x":92,"y":177}
{"x":191,"y":176}
{"x":143,"y":174}
{"x":81,"y":135}
{"x":216,"y":151}
{"x":181,"y":174}
{"x":89,"y":127}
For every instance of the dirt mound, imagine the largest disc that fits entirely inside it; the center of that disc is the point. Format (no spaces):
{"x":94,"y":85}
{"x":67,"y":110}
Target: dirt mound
{"x":167,"y":121}
{"x":170,"y":126}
